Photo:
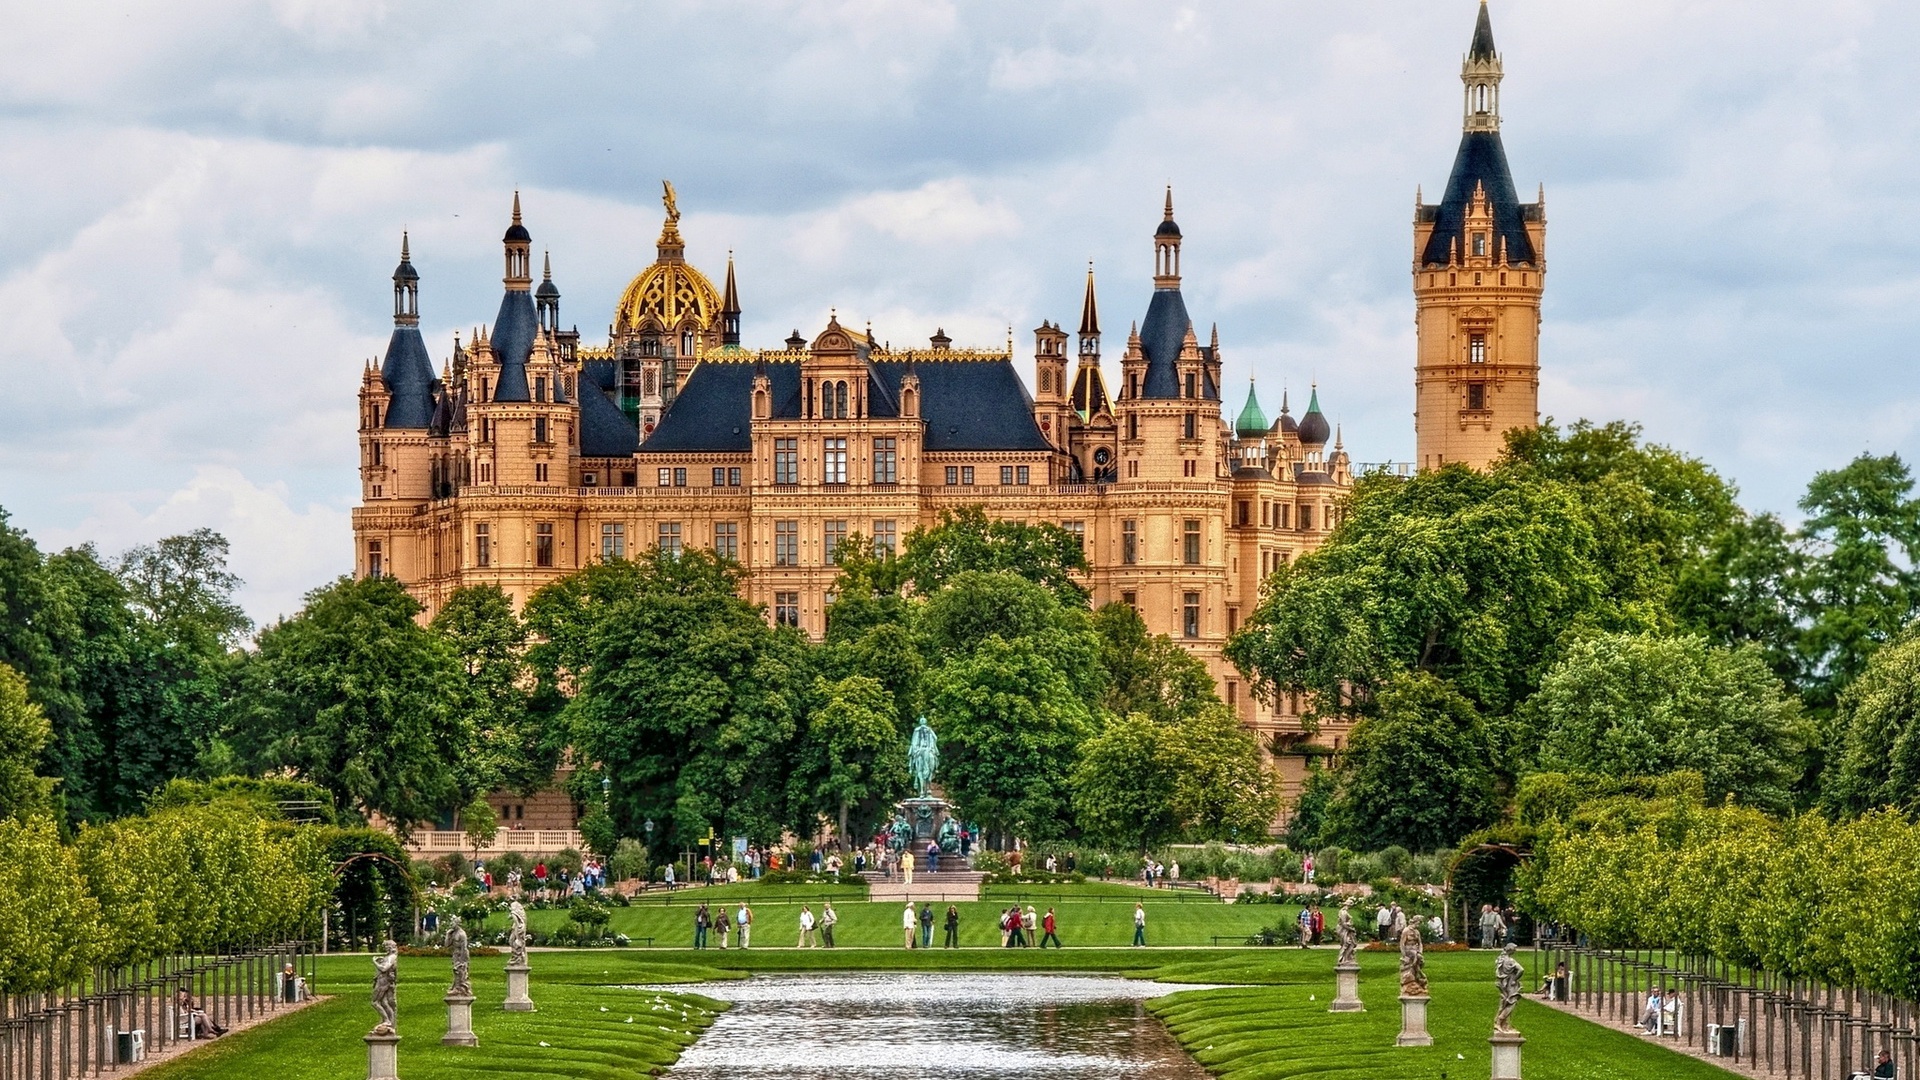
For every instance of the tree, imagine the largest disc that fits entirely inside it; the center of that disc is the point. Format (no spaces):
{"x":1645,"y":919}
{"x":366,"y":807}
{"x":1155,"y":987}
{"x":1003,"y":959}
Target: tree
{"x":1145,"y":782}
{"x":976,"y":607}
{"x":182,"y":585}
{"x":1862,"y":577}
{"x":851,"y":764}
{"x":1307,"y":822}
{"x":24,"y":733}
{"x":1123,"y":785}
{"x":511,"y":746}
{"x":1148,"y":673}
{"x":968,"y":540}
{"x":354,"y":695}
{"x":1742,"y":589}
{"x":480,"y":822}
{"x":1417,"y":772}
{"x":49,"y":926}
{"x":1645,"y":704}
{"x":1876,"y":762}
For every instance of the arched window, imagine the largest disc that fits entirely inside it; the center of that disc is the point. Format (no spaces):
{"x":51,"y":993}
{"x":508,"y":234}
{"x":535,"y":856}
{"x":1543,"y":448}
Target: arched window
{"x":840,"y":400}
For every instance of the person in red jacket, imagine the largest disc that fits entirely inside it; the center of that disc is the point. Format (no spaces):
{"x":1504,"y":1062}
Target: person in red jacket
{"x":1052,"y":927}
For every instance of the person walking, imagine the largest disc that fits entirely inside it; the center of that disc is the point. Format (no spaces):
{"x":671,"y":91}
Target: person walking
{"x":953,"y":927}
{"x":744,"y":919}
{"x":828,"y":917}
{"x":806,"y":927}
{"x":1030,"y":926}
{"x":1382,"y":919}
{"x":1140,"y":926}
{"x":908,"y":921}
{"x":1306,"y":870}
{"x":1319,"y":924}
{"x":724,"y":922}
{"x":669,"y":877}
{"x":926,"y":925}
{"x":701,"y":920}
{"x":1053,"y":930}
{"x":1305,"y":919}
{"x":906,"y":868}
{"x":1493,"y":929}
{"x":1006,"y":929}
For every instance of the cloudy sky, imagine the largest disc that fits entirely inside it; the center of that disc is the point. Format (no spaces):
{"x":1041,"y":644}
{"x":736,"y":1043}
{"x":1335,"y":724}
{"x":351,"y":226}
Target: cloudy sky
{"x":201,"y":202}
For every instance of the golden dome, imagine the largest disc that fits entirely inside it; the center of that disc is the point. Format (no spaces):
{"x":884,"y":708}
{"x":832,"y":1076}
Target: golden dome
{"x":670,"y":291}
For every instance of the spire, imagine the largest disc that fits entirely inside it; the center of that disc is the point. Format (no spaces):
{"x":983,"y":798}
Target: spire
{"x":1166,"y":249}
{"x":1089,"y":312}
{"x":407,"y":370}
{"x":406,"y":288}
{"x":730,"y":309}
{"x":517,"y":323}
{"x":519,"y":245}
{"x":1253,"y":420}
{"x":1313,"y":425}
{"x":1481,"y":72}
{"x":1482,"y":48}
{"x":547,"y":298}
{"x":670,"y":247}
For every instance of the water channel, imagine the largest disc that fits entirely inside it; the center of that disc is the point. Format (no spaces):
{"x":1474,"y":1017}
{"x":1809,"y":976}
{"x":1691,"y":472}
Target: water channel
{"x":906,"y":1027}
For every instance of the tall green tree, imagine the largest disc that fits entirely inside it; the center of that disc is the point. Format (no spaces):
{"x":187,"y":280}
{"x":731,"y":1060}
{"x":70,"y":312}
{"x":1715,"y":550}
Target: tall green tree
{"x":851,"y":763}
{"x":510,"y":745}
{"x":1645,"y":705}
{"x":1743,"y":590}
{"x":1876,"y":762}
{"x":24,"y":733}
{"x":353,"y":694}
{"x":968,"y":540}
{"x":1148,"y":673}
{"x":1142,"y":782}
{"x":1862,"y":576}
{"x":1417,"y":772}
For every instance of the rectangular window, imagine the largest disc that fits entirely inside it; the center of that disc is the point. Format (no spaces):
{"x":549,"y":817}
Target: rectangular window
{"x":589,"y":479}
{"x":1281,"y":512}
{"x":834,"y":470}
{"x":1187,"y":425}
{"x":1190,"y":547}
{"x":1477,"y":348}
{"x":540,"y":473}
{"x":1021,"y":473}
{"x":665,"y":477}
{"x":786,"y":608}
{"x":1233,"y":620}
{"x":374,"y":562}
{"x":1233,"y":693}
{"x":719,"y":476}
{"x":629,"y":478}
{"x":966,"y":475}
{"x":733,"y":477}
{"x":1129,"y":543}
{"x":1476,"y":395}
{"x":886,"y":462}
{"x":679,"y":478}
{"x":1244,"y":511}
{"x":1190,"y":615}
{"x":786,"y":461}
{"x":1079,"y":531}
{"x":1006,"y":475}
{"x":483,"y":545}
{"x":953,"y":475}
{"x":540,"y":388}
{"x":832,"y":535}
{"x":1132,"y":600}
{"x":1191,"y":384}
{"x":669,"y":534}
{"x":1479,"y":243}
{"x":726,"y":539}
{"x":613,"y":541}
{"x":885,"y":538}
{"x":786,"y":543}
{"x":543,"y":544}
{"x":1133,"y":425}
{"x":1306,"y":518}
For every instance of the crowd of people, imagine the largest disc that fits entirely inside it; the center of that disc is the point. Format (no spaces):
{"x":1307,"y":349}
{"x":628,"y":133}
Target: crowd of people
{"x":541,"y":881}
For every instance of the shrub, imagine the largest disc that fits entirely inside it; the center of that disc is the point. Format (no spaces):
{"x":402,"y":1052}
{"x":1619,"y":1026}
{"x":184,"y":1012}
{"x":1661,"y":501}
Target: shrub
{"x":629,"y":860}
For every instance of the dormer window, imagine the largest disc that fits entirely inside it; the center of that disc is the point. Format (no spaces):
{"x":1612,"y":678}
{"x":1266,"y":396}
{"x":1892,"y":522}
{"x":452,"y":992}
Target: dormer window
{"x":540,"y":388}
{"x":1191,"y":384}
{"x":1480,"y":244}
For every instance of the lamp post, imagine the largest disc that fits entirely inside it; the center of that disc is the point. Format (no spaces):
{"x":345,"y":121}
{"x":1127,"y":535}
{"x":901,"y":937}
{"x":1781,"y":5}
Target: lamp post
{"x":606,"y":793}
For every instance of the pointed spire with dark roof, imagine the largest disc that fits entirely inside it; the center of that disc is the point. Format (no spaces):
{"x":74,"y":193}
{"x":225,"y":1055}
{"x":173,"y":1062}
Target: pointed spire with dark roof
{"x":517,"y":322}
{"x":1089,"y":311}
{"x":730,"y":309}
{"x":407,"y":370}
{"x":1482,"y":48}
{"x":1314,"y":428}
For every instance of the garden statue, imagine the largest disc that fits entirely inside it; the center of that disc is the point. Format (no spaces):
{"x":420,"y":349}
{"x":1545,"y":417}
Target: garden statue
{"x":900,"y":834}
{"x":949,"y":837}
{"x":517,"y":935}
{"x":923,"y":756}
{"x":1413,"y":962}
{"x":1507,"y":974}
{"x":457,"y":948}
{"x":1348,"y":940}
{"x":386,"y":973}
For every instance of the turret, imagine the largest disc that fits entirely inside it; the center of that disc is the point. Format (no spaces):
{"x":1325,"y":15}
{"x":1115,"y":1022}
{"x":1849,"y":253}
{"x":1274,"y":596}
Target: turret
{"x":730,"y":310}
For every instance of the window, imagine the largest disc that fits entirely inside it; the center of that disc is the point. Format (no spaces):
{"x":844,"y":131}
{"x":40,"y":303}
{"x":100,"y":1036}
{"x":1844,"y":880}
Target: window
{"x":1046,"y":380}
{"x":1476,"y":395}
{"x":786,"y":543}
{"x":540,"y":388}
{"x":1190,"y":548}
{"x":1244,"y":512}
{"x":1306,"y":518}
{"x":1190,"y":615}
{"x":966,"y":475}
{"x":376,"y":453}
{"x":1132,"y":600}
{"x":886,"y":465}
{"x":953,"y":475}
{"x":539,"y":473}
{"x":543,"y":544}
{"x":1078,"y":529}
{"x":832,"y":535}
{"x":1189,"y":467}
{"x":1006,"y":474}
{"x":1233,"y":622}
{"x":719,"y":476}
{"x":835,"y":462}
{"x":374,"y":563}
{"x":629,"y":478}
{"x":1133,"y":384}
{"x":833,"y":401}
{"x":726,"y":539}
{"x":786,"y":461}
{"x":482,"y":545}
{"x":840,"y":399}
{"x":1188,"y":425}
{"x":1281,"y":511}
{"x":1233,"y":693}
{"x":589,"y":479}
{"x":733,"y":476}
{"x":539,"y":429}
{"x":613,"y":541}
{"x":885,"y":538}
{"x":1477,"y":349}
{"x":1480,"y":240}
{"x":1129,"y":542}
{"x":1191,"y":385}
{"x":786,"y":608}
{"x":669,"y":538}
{"x":1021,"y":473}
{"x":666,"y":477}
{"x":1133,"y":425}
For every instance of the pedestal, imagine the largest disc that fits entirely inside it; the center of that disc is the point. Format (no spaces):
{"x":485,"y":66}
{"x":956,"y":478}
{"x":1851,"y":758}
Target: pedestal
{"x":459,"y":1022}
{"x":1346,"y":997}
{"x":383,"y":1057}
{"x":517,"y":999}
{"x":1413,"y":1022}
{"x":1506,"y":1054}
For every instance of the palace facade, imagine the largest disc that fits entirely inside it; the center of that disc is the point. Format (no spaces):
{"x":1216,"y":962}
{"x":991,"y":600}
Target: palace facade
{"x":529,"y":455}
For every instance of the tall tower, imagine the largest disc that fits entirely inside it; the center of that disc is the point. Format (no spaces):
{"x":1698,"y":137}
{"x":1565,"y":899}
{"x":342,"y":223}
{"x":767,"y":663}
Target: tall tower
{"x":1479,"y":267}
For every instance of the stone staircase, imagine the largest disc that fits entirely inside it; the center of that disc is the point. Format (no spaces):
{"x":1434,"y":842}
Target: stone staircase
{"x":944,"y":887}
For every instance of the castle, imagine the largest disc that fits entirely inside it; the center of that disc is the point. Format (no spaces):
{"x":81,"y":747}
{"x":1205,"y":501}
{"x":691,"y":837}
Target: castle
{"x":529,"y":455}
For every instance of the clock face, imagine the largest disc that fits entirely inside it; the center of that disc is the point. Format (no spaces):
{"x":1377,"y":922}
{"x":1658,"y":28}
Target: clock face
{"x":1102,"y":456}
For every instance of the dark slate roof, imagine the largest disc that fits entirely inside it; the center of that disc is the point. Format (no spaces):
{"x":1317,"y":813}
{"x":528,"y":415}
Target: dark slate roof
{"x":1482,"y":48}
{"x":408,"y":375}
{"x":1090,"y":392}
{"x":605,"y":431}
{"x":513,"y":331}
{"x":967,"y":405}
{"x":1314,"y":428}
{"x":1482,"y":160}
{"x":1161,"y":334}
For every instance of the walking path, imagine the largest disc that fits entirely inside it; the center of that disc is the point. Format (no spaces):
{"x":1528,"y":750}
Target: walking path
{"x":1744,"y":1067}
{"x":157,"y":1055}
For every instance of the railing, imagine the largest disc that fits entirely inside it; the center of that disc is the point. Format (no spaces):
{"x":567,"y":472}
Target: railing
{"x":531,"y":841}
{"x":130,"y":1012}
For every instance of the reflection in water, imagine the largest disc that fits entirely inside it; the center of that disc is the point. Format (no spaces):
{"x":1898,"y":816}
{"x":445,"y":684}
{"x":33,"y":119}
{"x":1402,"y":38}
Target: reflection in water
{"x":904,"y":1027}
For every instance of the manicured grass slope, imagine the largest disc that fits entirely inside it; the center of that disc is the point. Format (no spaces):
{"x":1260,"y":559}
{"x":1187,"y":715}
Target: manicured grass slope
{"x":1284,"y":1030}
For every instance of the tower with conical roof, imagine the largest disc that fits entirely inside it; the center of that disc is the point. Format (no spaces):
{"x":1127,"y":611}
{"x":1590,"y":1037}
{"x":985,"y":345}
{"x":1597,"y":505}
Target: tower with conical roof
{"x":1479,"y":268}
